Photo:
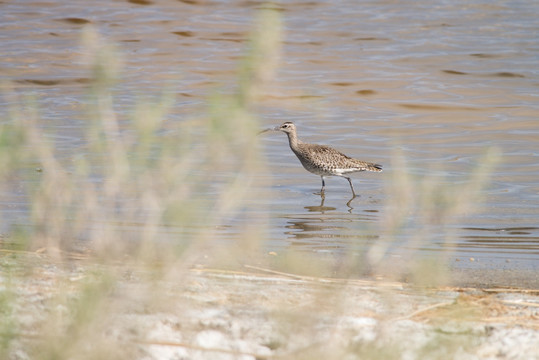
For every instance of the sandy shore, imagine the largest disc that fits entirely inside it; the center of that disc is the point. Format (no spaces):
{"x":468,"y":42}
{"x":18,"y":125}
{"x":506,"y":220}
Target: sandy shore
{"x":255,"y":313}
{"x":505,"y":278}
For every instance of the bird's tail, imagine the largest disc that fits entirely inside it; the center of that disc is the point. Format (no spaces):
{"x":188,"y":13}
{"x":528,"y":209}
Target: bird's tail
{"x":374,"y":167}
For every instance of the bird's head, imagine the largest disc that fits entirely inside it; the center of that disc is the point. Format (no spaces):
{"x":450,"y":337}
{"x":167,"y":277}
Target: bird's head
{"x":286,"y":127}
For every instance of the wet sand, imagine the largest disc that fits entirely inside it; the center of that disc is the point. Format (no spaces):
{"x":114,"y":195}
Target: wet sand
{"x":495,"y":278}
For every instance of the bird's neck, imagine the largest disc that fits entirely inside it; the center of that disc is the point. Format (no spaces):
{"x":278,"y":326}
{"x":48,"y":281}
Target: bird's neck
{"x":293,"y":141}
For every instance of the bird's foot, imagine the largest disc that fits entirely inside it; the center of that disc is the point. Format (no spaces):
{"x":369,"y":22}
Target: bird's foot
{"x":352,"y":199}
{"x":321,"y":193}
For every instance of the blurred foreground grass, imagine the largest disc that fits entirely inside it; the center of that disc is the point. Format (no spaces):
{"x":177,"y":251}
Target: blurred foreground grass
{"x":144,"y":173}
{"x":139,"y":172}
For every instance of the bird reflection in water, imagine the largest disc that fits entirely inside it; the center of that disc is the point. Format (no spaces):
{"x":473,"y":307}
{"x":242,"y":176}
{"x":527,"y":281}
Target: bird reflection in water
{"x":322,"y":209}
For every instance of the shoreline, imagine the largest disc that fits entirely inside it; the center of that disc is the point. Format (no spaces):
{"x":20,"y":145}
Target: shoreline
{"x":495,"y":278}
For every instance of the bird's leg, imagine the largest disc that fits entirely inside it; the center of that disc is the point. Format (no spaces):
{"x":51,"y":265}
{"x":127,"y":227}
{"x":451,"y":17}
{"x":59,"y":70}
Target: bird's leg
{"x":351,"y":186}
{"x":323,"y":186}
{"x":349,"y":204}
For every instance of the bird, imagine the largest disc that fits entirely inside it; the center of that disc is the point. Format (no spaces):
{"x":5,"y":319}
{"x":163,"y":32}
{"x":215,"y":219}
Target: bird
{"x":323,"y":160}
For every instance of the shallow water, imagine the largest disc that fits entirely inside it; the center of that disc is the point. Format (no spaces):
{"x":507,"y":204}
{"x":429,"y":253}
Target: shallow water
{"x":439,"y":83}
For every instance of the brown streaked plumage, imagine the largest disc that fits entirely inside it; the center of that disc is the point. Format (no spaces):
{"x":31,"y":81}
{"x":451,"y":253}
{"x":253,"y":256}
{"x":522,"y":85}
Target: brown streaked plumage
{"x":323,"y":160}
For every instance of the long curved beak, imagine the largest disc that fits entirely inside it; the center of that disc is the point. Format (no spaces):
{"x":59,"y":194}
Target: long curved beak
{"x":276,"y":128}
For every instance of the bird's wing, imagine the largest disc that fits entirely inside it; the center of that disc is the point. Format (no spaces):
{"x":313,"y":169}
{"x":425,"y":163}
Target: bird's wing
{"x":328,"y":157}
